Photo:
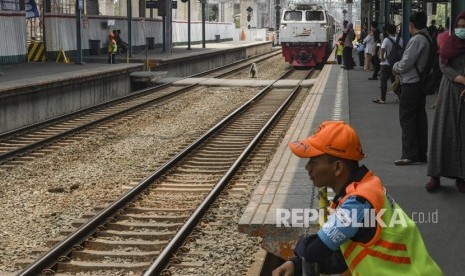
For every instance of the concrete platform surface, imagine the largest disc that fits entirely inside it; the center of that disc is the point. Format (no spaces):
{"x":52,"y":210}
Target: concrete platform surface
{"x":24,"y":74}
{"x":177,"y":52}
{"x":285,"y":185}
{"x":17,"y":76}
{"x":348,"y":96}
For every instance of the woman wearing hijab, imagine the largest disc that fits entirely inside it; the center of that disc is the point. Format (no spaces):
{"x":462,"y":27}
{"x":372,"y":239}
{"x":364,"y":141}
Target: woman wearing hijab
{"x":447,"y":152}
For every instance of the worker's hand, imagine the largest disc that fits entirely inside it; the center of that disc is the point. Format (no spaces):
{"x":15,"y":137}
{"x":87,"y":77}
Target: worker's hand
{"x":286,"y":269}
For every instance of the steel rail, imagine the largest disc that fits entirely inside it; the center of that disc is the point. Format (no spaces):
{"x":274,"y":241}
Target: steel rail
{"x":84,"y":231}
{"x":163,"y":259}
{"x":23,"y":150}
{"x":133,"y":95}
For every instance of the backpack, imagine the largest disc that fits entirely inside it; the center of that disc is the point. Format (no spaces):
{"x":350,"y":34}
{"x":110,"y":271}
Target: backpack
{"x":396,"y":53}
{"x":430,"y":78}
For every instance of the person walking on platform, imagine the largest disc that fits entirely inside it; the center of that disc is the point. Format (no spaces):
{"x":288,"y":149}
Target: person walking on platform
{"x":447,"y":150}
{"x":112,"y":48}
{"x":389,"y":245}
{"x":412,"y":112}
{"x":388,"y":51}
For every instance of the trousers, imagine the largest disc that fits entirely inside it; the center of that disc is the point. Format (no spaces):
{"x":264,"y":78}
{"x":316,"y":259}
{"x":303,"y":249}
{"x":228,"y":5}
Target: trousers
{"x":385,"y":75}
{"x":413,"y":122}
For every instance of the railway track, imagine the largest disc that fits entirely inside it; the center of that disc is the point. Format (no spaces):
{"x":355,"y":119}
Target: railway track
{"x":154,"y":219}
{"x":25,"y":144}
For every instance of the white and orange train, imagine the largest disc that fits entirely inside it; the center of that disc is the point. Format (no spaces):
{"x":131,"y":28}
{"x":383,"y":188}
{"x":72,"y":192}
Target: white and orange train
{"x":306,"y":34}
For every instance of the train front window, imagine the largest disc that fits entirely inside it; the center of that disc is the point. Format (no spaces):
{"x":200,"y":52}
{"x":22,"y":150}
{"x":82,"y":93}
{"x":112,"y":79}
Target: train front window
{"x":293,"y":16}
{"x":314,"y":16}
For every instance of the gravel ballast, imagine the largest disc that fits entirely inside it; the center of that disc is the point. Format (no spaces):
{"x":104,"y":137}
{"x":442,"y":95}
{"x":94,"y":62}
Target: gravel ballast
{"x":42,"y":197}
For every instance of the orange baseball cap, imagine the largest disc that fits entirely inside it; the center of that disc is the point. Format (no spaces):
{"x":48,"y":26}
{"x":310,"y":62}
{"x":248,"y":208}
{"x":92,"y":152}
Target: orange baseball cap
{"x":335,"y":138}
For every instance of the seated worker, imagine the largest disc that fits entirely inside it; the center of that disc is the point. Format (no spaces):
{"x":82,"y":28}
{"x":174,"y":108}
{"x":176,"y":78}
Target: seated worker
{"x":366,"y":227}
{"x":122,"y":46}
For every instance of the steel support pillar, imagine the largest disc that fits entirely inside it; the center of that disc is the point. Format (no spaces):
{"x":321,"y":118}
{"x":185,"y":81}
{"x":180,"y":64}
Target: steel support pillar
{"x":374,"y":12}
{"x":189,"y":25}
{"x":457,"y":7}
{"x":79,"y":8}
{"x":203,"y":23}
{"x":387,"y":11}
{"x":406,"y":7}
{"x":129,"y":14}
{"x":382,"y":18}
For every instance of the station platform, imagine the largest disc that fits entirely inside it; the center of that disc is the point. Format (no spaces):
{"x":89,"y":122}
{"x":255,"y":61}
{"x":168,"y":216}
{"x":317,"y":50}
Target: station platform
{"x":27,"y":76}
{"x":181,"y":62}
{"x":12,"y":75}
{"x":347,"y":95}
{"x":34,"y":92}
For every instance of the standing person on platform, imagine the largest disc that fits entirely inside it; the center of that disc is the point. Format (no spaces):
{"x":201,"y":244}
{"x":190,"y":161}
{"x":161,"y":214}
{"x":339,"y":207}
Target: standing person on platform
{"x":444,"y":36}
{"x":122,"y":46}
{"x":339,"y":49}
{"x":347,"y":239}
{"x":375,"y":60}
{"x":112,"y":48}
{"x":361,"y":53}
{"x":447,"y":151}
{"x":433,"y":30}
{"x":386,"y":69}
{"x":369,"y":42}
{"x":363,"y":32}
{"x":349,"y":36}
{"x":412,"y":113}
{"x":441,"y":40}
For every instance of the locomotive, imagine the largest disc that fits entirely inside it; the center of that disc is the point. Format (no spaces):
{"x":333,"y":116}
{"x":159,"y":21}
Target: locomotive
{"x":306,"y":34}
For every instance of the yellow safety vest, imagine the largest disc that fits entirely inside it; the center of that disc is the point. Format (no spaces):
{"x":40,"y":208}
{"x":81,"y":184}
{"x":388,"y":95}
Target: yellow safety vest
{"x":397,"y":248}
{"x":339,"y":49}
{"x":112,"y":47}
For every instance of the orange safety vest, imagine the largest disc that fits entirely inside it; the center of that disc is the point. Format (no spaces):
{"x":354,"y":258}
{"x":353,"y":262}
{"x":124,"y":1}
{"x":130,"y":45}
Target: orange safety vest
{"x":396,"y":248}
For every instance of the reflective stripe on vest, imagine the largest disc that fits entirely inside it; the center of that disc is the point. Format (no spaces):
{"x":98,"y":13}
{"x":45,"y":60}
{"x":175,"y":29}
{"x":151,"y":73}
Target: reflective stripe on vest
{"x":394,"y":250}
{"x":366,"y":251}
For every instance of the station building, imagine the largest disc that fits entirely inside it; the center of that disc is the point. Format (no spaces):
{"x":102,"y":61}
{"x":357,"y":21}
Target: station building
{"x":37,"y":30}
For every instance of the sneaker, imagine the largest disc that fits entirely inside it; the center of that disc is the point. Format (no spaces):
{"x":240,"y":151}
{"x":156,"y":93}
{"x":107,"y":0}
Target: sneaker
{"x":433,"y":185}
{"x":404,"y":162}
{"x":378,"y":101}
{"x":460,"y":183}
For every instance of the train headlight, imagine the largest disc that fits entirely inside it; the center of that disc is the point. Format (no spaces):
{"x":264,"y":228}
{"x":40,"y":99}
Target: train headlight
{"x":287,"y":44}
{"x":314,"y":7}
{"x":319,"y":44}
{"x":292,"y":7}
